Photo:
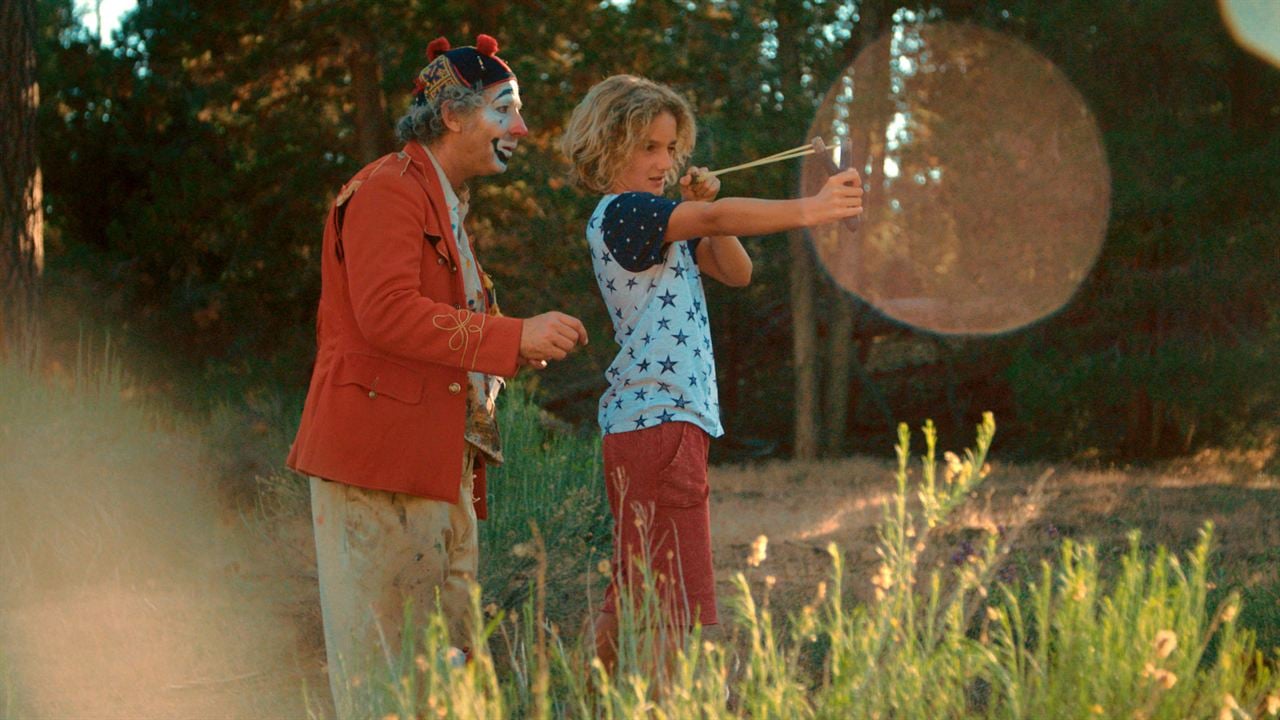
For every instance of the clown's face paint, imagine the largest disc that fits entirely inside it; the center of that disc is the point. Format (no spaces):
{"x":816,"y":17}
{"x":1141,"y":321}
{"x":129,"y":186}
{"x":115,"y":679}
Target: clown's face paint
{"x":492,"y":134}
{"x":648,"y":166}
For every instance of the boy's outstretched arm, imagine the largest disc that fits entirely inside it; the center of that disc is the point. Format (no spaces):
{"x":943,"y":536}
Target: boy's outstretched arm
{"x":839,"y":198}
{"x":720,"y":256}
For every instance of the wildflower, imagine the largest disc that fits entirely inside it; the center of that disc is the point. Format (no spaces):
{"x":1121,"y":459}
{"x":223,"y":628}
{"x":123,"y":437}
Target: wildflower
{"x":1162,"y":677}
{"x":759,"y":551}
{"x":1096,"y":709}
{"x":770,"y":581}
{"x":954,"y":467}
{"x":822,"y":591}
{"x":1229,"y":707}
{"x":1080,"y":592}
{"x":882,"y":581}
{"x":993,"y":614}
{"x":521,"y":550}
{"x":1229,"y":613}
{"x":1165,"y":643}
{"x":1273,"y":704}
{"x":604,"y":567}
{"x":421,"y":662}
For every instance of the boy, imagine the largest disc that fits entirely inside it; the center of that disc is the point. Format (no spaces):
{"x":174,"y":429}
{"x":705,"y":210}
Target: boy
{"x":626,"y":141}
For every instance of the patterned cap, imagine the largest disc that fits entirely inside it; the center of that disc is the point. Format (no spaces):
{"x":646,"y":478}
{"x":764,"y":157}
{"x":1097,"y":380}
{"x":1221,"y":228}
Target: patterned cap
{"x":474,"y":67}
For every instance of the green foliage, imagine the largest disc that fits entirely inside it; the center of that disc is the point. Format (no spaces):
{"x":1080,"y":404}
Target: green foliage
{"x":187,"y":169}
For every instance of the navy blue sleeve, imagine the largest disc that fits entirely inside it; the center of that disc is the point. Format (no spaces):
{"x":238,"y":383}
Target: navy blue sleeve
{"x":635,"y":224}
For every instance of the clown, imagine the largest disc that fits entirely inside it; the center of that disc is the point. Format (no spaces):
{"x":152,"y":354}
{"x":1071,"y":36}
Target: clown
{"x":399,"y":421}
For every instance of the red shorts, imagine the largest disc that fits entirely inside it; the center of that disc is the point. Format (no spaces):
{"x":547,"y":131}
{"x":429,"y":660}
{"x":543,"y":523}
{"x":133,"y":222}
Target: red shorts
{"x":658,"y":495}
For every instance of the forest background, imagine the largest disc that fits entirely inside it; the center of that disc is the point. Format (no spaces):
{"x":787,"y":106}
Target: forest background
{"x":188,"y":160}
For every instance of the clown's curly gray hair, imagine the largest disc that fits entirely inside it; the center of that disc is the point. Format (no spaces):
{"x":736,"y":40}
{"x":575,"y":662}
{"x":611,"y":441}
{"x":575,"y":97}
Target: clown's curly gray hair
{"x":425,"y":123}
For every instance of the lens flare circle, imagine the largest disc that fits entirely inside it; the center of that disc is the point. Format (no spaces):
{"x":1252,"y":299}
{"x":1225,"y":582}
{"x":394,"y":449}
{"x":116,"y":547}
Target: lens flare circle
{"x":987,"y":186}
{"x":1255,"y":25}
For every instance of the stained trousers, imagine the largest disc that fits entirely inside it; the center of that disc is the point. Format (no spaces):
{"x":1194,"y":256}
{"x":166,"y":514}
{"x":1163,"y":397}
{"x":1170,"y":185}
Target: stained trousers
{"x":377,"y":550}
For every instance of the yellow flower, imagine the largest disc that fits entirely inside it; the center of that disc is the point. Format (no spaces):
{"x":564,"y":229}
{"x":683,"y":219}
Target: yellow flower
{"x":993,"y":614}
{"x":603,"y":567}
{"x":1229,"y":707}
{"x":1273,"y":704}
{"x":883,"y":578}
{"x":954,"y":466}
{"x":759,"y":551}
{"x":1096,"y":709}
{"x":1229,"y":613}
{"x":1165,"y":643}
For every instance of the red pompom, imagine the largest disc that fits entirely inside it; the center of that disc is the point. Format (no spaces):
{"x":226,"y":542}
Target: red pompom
{"x":437,"y":46}
{"x":486,"y":45}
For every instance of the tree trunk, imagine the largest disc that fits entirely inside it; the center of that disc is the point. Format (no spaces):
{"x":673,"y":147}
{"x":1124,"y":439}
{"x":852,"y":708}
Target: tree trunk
{"x":22,"y":227}
{"x":840,"y":358}
{"x":804,"y":347}
{"x":372,"y":134}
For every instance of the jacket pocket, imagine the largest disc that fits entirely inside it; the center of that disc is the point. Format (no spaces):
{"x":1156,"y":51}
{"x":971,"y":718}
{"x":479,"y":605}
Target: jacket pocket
{"x":380,"y":377}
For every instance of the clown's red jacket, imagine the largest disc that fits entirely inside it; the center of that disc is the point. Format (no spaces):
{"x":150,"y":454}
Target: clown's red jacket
{"x":387,"y":402}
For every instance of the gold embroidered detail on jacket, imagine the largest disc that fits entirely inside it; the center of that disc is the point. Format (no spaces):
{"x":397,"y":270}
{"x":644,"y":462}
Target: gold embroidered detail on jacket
{"x":462,"y":327}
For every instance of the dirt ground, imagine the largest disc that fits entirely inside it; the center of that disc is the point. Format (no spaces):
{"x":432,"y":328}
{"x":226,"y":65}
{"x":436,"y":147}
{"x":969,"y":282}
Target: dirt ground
{"x":240,"y":637}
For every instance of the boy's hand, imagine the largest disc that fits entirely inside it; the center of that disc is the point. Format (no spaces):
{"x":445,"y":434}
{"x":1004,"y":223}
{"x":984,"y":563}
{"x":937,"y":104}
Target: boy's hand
{"x":840,"y":197}
{"x":699,"y":184}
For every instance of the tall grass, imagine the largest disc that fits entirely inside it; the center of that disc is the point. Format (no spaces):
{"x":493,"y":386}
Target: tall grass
{"x":96,"y":485}
{"x":7,"y":700}
{"x":551,"y":480}
{"x":949,"y":643}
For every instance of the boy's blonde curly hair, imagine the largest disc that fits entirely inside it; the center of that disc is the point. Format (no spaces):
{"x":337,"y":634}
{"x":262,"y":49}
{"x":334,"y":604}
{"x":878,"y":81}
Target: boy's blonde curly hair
{"x":610,"y":123}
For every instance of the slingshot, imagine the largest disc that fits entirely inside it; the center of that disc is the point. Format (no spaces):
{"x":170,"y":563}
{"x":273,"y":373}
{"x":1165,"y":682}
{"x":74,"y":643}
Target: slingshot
{"x":814,"y":146}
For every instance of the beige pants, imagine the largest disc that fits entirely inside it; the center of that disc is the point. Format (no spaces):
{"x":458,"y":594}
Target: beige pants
{"x":375,"y":550}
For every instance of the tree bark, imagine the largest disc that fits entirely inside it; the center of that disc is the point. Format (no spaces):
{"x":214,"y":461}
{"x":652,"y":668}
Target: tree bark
{"x":840,"y":359}
{"x":22,"y":227}
{"x":372,"y":137}
{"x":804,"y":347}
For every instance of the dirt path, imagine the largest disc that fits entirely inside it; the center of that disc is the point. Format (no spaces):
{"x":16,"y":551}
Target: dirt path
{"x":802,"y":508}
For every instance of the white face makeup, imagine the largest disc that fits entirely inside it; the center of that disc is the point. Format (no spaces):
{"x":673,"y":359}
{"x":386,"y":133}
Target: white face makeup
{"x":503,"y":112}
{"x":489,"y":136}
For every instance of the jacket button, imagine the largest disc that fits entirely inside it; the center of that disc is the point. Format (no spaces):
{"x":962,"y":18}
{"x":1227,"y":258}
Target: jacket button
{"x":373,"y":394}
{"x":439,"y":261}
{"x":454,"y":388}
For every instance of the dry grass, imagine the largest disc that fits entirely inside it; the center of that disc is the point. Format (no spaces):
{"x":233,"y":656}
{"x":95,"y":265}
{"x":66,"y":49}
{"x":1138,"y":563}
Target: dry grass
{"x":801,"y":507}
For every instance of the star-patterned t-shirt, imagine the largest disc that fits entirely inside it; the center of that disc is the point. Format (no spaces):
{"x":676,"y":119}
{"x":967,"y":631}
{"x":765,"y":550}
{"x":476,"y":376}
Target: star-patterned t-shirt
{"x":665,"y":370}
